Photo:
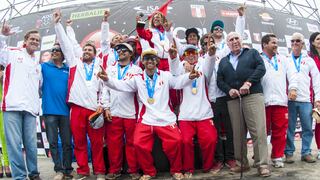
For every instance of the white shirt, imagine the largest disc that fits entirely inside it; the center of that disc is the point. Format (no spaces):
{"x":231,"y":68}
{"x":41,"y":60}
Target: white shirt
{"x":21,"y":79}
{"x":159,"y":113}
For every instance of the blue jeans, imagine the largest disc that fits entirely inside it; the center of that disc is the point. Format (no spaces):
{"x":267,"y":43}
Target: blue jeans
{"x":304,"y":110}
{"x":55,"y":125}
{"x":20,"y":128}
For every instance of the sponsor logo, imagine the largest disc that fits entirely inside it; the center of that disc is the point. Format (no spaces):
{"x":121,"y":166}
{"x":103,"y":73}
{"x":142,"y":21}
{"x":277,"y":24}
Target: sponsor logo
{"x":226,"y":13}
{"x":87,"y":14}
{"x":312,"y":27}
{"x":293,"y":24}
{"x":44,"y":21}
{"x":198,"y":11}
{"x":266,"y":19}
{"x":149,"y":9}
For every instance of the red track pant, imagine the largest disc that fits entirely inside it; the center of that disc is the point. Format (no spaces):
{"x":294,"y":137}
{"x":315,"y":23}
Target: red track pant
{"x":171,"y":143}
{"x":207,"y":138}
{"x":317,"y":135}
{"x":80,"y":128}
{"x":277,"y":125}
{"x":117,"y":131}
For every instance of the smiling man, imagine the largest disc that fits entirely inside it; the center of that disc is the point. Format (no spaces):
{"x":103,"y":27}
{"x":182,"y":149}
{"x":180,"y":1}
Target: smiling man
{"x":238,"y":75}
{"x":20,"y":103}
{"x":121,"y":113}
{"x":54,"y":89}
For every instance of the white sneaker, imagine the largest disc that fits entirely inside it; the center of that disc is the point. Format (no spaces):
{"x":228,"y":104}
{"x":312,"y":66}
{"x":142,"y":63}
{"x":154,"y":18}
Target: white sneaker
{"x":277,"y":163}
{"x":58,"y":176}
{"x":318,"y":156}
{"x":101,"y":177}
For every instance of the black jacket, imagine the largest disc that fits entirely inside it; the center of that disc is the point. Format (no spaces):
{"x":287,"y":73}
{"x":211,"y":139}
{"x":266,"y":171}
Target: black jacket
{"x":250,"y":68}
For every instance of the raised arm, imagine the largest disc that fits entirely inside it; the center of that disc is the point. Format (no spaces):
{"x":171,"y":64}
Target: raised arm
{"x":72,"y":37}
{"x":105,"y":42}
{"x":65,"y":44}
{"x":4,"y":52}
{"x":241,"y":21}
{"x":143,"y":33}
{"x":174,"y":62}
{"x":209,"y":62}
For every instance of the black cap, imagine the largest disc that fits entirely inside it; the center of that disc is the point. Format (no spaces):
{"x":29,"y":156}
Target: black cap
{"x":192,"y":30}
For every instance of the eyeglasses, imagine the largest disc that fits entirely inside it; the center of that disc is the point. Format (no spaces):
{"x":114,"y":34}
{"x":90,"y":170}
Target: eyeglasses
{"x":295,"y":40}
{"x":218,"y":29}
{"x":233,"y":39}
{"x":206,"y":43}
{"x":152,"y":58}
{"x":56,"y":50}
{"x":122,"y":50}
{"x":188,"y":53}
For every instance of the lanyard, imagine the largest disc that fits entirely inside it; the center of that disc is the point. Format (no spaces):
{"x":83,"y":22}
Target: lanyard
{"x":297,"y":64}
{"x":275,"y":63}
{"x":161,"y":35}
{"x":89,"y":72}
{"x":150,"y":88}
{"x":120,"y":76}
{"x":221,"y":45}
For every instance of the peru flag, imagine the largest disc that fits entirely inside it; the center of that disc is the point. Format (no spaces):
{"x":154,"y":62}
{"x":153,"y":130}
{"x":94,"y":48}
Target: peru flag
{"x":198,"y":11}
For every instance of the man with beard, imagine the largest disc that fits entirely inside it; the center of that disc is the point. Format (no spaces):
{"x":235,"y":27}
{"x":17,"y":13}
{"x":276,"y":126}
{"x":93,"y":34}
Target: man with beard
{"x":20,"y":102}
{"x":121,"y":114}
{"x":155,"y":117}
{"x":84,"y":97}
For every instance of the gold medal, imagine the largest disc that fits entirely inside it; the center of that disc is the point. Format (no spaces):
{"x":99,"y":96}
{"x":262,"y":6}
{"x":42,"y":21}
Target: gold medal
{"x":194,"y":90}
{"x":150,"y":100}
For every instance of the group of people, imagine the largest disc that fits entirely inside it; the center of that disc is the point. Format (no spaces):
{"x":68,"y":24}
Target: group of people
{"x":211,"y":90}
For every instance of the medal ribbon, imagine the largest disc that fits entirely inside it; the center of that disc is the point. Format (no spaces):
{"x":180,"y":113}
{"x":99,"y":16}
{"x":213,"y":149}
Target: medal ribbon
{"x":161,"y":35}
{"x":116,"y":55}
{"x":150,"y":88}
{"x":275,"y":63}
{"x":120,"y":76}
{"x":89,"y":72}
{"x":297,"y":64}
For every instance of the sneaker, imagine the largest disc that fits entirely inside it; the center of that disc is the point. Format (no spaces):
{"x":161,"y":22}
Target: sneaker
{"x":289,"y":159}
{"x":113,"y":176}
{"x":135,"y":176}
{"x":237,"y":169}
{"x":231,"y":163}
{"x":264,"y":171}
{"x":308,"y":158}
{"x":35,"y":177}
{"x":146,"y":177}
{"x":216,"y":168}
{"x":187,"y":175}
{"x":101,"y":177}
{"x":177,"y":176}
{"x":80,"y":177}
{"x":70,"y":175}
{"x":318,"y":156}
{"x":58,"y":176}
{"x":277,"y":163}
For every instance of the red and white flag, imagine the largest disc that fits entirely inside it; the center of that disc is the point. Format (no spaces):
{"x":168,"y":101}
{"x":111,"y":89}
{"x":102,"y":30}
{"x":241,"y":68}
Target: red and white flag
{"x":198,"y":11}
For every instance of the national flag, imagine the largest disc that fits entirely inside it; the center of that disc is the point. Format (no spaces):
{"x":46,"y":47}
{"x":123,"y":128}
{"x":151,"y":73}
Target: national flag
{"x":163,"y":9}
{"x":198,"y":11}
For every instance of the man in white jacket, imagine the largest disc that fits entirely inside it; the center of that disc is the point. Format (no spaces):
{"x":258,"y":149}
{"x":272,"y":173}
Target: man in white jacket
{"x":84,"y":97}
{"x":155,"y":115}
{"x":306,"y":70}
{"x":20,"y":103}
{"x":278,"y":72}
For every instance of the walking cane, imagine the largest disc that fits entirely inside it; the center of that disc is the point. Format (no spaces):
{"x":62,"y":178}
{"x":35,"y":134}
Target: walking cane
{"x":241,"y":140}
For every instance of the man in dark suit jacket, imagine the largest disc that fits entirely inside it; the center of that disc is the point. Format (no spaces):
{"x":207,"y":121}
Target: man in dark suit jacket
{"x":239,"y":74}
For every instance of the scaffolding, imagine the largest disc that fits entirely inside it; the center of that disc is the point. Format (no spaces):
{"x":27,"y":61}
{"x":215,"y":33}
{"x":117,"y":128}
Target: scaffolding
{"x":14,"y":8}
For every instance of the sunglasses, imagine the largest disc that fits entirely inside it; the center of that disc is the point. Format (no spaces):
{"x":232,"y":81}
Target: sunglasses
{"x":122,"y":50}
{"x":188,"y":53}
{"x":295,"y":40}
{"x":218,"y":29}
{"x":234,"y":39}
{"x":152,"y":58}
{"x":56,"y":50}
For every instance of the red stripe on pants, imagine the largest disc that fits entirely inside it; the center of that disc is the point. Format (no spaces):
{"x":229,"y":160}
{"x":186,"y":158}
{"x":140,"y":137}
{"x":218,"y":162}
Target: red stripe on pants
{"x":207,"y":138}
{"x":116,"y":131}
{"x":277,"y":125}
{"x":80,"y":128}
{"x":171,"y":143}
